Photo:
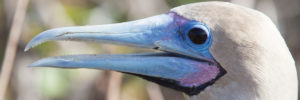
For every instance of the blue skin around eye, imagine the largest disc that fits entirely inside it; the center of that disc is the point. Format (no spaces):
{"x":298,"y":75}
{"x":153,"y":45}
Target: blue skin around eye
{"x":179,"y":30}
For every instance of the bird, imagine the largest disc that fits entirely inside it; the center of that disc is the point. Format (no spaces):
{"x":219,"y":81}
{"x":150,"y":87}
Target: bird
{"x":208,"y":50}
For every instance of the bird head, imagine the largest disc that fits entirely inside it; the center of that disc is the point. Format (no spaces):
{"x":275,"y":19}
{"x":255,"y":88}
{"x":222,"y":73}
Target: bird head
{"x":199,"y":44}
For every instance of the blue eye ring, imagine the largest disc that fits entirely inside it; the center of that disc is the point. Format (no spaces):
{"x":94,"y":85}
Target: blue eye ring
{"x":205,"y":33}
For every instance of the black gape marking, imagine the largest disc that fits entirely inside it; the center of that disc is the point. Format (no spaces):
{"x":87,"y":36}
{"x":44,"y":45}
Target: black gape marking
{"x":173,"y":84}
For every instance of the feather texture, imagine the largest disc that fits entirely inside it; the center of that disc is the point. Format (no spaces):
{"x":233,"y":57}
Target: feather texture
{"x":250,"y":48}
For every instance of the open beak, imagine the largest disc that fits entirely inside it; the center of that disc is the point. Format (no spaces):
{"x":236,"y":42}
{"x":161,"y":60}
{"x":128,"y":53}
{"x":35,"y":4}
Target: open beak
{"x":177,"y":63}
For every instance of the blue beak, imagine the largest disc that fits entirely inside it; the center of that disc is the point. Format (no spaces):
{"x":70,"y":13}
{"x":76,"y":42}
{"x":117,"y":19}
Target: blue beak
{"x":181,"y":65}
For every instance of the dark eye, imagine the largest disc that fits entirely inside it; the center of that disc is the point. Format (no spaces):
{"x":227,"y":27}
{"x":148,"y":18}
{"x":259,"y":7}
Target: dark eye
{"x":197,"y":35}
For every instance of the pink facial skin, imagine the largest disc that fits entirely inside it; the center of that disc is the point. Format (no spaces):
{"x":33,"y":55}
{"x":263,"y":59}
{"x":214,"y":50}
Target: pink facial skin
{"x":204,"y":73}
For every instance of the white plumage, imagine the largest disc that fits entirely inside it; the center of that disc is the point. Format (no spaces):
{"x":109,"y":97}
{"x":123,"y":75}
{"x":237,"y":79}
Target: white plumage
{"x":250,"y":48}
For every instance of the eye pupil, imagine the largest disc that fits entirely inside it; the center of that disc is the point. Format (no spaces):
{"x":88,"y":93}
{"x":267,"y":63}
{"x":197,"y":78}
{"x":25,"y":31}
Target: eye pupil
{"x":197,"y":35}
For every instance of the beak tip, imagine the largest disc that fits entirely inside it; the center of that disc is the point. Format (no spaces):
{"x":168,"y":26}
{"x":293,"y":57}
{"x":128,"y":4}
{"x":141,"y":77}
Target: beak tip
{"x":30,"y":45}
{"x":27,"y":48}
{"x":40,"y":63}
{"x":45,"y":36}
{"x":34,"y":64}
{"x":31,"y":66}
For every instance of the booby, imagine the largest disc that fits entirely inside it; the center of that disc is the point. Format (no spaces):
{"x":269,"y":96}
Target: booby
{"x":210,"y":51}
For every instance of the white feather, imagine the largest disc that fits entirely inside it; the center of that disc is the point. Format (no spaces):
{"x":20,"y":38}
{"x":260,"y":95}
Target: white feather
{"x":249,"y":46}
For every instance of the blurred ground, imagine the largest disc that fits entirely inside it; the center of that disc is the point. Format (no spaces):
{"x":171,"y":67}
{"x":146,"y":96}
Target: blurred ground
{"x":86,"y":84}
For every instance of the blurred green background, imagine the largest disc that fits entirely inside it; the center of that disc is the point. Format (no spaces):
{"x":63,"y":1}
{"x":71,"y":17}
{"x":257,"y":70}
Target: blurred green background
{"x":87,"y":84}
